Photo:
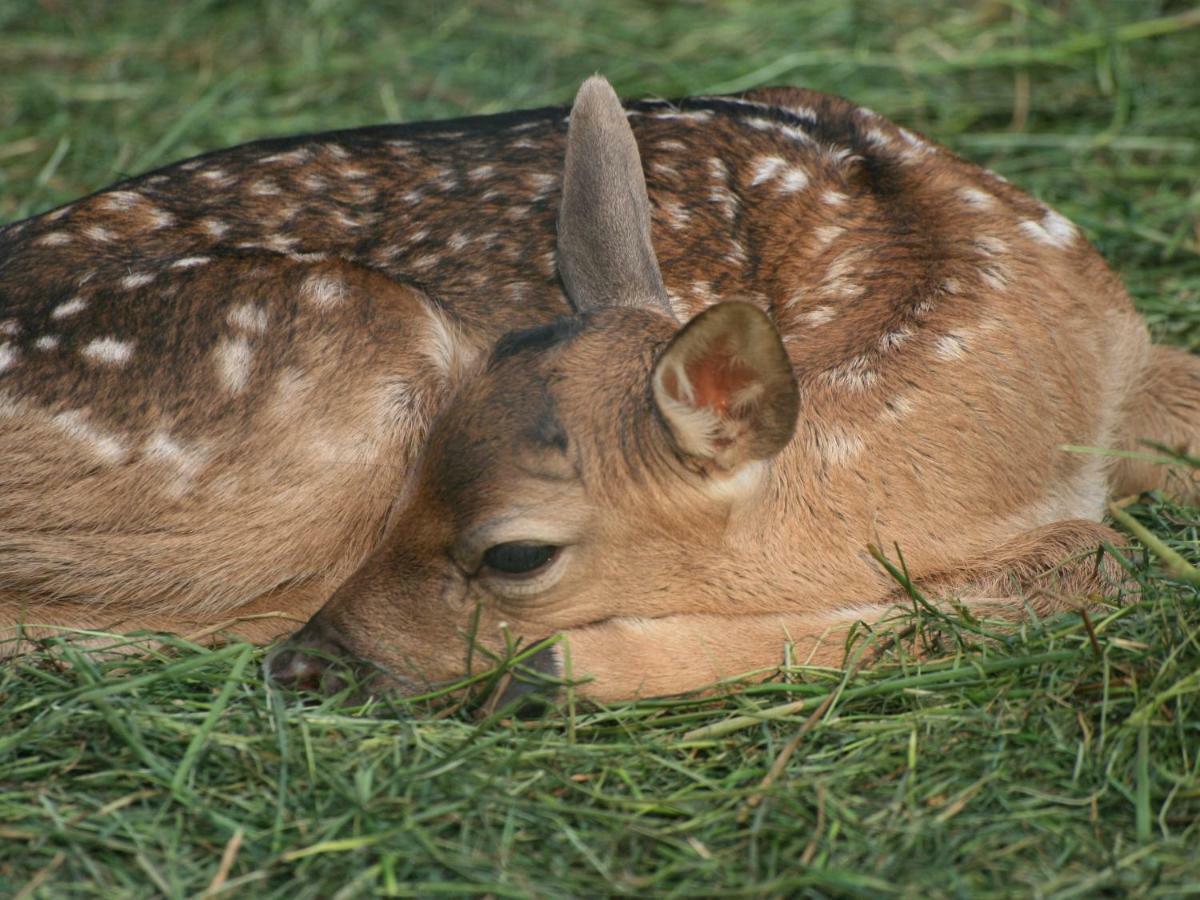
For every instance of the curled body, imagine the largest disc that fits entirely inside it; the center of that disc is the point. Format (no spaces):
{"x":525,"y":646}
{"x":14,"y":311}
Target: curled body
{"x":651,"y":377}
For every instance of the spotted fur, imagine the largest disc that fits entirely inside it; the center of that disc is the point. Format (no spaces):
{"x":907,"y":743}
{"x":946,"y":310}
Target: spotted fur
{"x":224,"y":385}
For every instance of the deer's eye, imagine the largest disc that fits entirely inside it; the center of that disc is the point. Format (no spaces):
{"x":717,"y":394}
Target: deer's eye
{"x":518,"y":558}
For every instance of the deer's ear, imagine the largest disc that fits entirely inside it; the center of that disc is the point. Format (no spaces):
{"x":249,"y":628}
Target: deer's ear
{"x":604,"y":251}
{"x":726,"y":388}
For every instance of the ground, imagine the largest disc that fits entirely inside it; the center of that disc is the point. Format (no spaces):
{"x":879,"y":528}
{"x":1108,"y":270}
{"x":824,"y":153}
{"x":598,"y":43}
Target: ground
{"x":1062,"y":760}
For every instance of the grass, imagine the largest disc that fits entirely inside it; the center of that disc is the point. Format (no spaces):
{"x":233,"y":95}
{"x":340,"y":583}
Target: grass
{"x":1060,"y":761}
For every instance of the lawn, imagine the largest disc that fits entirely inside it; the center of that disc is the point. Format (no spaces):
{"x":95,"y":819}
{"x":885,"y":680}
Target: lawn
{"x":1060,"y":760}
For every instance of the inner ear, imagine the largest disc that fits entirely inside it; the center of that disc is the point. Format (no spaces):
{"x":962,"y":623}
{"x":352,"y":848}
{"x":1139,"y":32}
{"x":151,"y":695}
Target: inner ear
{"x":726,"y":389}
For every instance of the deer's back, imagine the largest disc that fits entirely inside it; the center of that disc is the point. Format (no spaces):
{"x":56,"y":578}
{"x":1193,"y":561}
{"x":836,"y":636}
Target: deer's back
{"x":154,"y":322}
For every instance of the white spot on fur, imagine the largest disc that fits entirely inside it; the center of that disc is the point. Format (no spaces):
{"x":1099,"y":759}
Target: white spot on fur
{"x":951,"y":345}
{"x":8,"y":356}
{"x":314,"y":256}
{"x":323,"y":291}
{"x":677,"y":216}
{"x":345,"y":220}
{"x":994,"y":276}
{"x":766,"y":168}
{"x":951,"y":286}
{"x":1060,"y":228}
{"x":990,"y":246}
{"x":121,"y":200}
{"x":973,"y":196}
{"x":160,"y":218}
{"x":839,"y":155}
{"x":289,"y":157}
{"x":47,"y":342}
{"x":835,"y":446}
{"x":818,"y":315}
{"x":108,"y":351}
{"x":185,"y":463}
{"x":892,"y":340}
{"x":671,"y":145}
{"x":137,"y":280}
{"x":217,"y":177}
{"x":696,"y":115}
{"x":10,"y":327}
{"x":480,"y":172}
{"x":337,"y":151}
{"x":827,"y":234}
{"x":736,"y":254}
{"x":264,"y":187}
{"x":248,"y":317}
{"x":1054,"y":229}
{"x":877,"y":137}
{"x":702,"y":291}
{"x":98,"y":233}
{"x":842,"y":287}
{"x":795,"y":178}
{"x":54,"y":239}
{"x":665,"y":169}
{"x":72,"y":306}
{"x":190,"y":262}
{"x":834,"y":198}
{"x":915,"y":148}
{"x":896,"y":409}
{"x":104,"y":447}
{"x":215,"y":227}
{"x":854,"y":374}
{"x":728,"y":203}
{"x":458,"y":240}
{"x":796,"y":134}
{"x":542,"y":183}
{"x":233,"y":358}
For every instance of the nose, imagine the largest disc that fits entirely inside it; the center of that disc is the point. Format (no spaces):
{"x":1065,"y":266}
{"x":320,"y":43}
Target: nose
{"x":310,"y":660}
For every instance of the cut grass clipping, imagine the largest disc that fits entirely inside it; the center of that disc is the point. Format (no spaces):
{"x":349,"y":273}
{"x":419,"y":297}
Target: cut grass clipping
{"x":1059,"y":760}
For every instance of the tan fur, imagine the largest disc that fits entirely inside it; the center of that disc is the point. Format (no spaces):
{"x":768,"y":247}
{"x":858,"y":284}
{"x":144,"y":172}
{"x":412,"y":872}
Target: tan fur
{"x":268,"y":380}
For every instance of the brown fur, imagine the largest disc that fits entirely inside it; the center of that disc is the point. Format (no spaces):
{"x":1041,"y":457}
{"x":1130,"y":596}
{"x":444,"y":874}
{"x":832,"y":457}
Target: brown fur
{"x":277,"y":375}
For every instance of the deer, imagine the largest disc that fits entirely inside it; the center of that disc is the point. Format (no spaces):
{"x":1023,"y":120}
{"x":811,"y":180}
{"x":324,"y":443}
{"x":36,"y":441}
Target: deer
{"x":645,"y":380}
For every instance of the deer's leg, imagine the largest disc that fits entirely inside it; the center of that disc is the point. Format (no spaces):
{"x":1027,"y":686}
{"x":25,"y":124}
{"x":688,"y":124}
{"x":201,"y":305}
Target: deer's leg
{"x":260,"y":621}
{"x":1046,"y":570}
{"x":1164,"y":408}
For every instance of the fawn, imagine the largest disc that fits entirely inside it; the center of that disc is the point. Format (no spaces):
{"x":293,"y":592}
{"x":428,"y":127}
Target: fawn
{"x":650,"y":378}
